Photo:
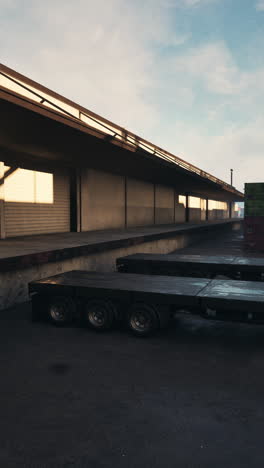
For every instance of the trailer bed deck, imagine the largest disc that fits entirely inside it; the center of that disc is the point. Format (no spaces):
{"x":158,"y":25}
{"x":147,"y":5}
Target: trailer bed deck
{"x":195,"y":293}
{"x":189,"y":265}
{"x":128,"y":287}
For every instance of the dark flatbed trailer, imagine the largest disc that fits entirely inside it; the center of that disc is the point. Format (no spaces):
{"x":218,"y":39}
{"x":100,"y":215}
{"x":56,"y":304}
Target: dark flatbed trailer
{"x":204,"y":266}
{"x":144,"y":302}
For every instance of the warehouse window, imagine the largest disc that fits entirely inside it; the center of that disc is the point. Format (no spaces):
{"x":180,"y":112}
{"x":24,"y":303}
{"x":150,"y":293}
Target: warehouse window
{"x":182,"y":200}
{"x":203,"y":204}
{"x":217,"y":205}
{"x":27,"y":186}
{"x":194,"y":202}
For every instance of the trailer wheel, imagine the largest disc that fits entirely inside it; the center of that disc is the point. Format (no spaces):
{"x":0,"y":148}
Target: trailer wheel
{"x":99,"y":314}
{"x":143,"y":319}
{"x":61,"y":310}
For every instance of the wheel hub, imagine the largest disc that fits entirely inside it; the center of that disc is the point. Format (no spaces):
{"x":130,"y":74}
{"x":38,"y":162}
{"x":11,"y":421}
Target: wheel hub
{"x":57,"y":313}
{"x":97,"y":316}
{"x":141,"y":321}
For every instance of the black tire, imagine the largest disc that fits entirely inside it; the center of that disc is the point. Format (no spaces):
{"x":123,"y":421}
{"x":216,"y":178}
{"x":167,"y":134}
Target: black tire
{"x":143,"y":319}
{"x":99,"y":314}
{"x":61,"y":310}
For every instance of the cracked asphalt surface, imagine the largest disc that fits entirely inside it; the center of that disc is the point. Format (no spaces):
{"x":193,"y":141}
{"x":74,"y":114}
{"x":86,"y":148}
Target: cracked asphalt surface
{"x":191,"y":396}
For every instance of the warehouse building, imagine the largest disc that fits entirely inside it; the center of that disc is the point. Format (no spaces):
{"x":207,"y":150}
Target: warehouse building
{"x":64,"y":169}
{"x":55,"y":176}
{"x":37,"y":202}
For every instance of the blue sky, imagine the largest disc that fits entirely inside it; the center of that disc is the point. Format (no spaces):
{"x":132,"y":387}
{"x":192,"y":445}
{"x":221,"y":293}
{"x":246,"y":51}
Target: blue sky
{"x":186,"y":74}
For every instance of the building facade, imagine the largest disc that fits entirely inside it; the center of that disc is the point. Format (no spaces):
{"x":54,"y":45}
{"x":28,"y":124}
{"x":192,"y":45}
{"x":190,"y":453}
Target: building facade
{"x":63,"y":168}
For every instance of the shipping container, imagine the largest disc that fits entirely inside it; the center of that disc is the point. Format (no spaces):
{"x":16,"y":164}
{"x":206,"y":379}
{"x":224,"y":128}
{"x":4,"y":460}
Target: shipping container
{"x":254,"y":216}
{"x":254,"y":199}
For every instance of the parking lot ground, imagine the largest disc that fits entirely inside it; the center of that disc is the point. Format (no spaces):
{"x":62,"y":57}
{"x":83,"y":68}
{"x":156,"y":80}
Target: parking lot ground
{"x":191,"y":396}
{"x":229,"y":243}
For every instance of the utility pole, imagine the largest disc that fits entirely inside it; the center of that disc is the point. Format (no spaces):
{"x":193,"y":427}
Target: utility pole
{"x":231,"y":176}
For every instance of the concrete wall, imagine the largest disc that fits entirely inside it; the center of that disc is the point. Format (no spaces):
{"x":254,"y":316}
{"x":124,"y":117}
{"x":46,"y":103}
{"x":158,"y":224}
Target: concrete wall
{"x":164,"y":209}
{"x":179,"y":210}
{"x":140,"y":203}
{"x":110,"y":201}
{"x":203,"y":209}
{"x":217,"y":214}
{"x":194,"y":209}
{"x":212,"y":214}
{"x":102,"y":200}
{"x":194,"y":215}
{"x":217,"y":210}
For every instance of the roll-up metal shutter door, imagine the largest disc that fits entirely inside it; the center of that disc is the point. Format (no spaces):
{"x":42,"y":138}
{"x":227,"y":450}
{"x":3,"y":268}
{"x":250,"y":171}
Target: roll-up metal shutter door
{"x":47,"y":213}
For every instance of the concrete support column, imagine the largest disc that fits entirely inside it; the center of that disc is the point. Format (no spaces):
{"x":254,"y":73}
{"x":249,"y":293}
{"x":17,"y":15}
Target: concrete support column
{"x":187,"y":212}
{"x":125,"y":200}
{"x":154,"y":204}
{"x":230,"y":209}
{"x":207,"y":209}
{"x":174,"y":216}
{"x":2,"y":201}
{"x":79,"y":201}
{"x":75,"y":201}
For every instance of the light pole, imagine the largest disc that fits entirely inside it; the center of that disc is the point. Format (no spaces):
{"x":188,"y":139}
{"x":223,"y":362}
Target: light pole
{"x":231,"y":176}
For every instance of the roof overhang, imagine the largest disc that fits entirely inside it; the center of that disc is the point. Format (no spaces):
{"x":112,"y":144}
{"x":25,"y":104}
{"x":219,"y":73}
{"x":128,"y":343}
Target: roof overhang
{"x":38,"y":136}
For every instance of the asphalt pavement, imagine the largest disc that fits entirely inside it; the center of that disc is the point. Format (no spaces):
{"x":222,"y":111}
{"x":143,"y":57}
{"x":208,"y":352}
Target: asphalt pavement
{"x":189,"y":397}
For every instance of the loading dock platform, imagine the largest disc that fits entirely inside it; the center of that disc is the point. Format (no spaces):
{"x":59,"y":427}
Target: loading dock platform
{"x":24,"y":259}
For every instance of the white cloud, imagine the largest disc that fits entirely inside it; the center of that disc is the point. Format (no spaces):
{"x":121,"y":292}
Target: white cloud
{"x":98,"y":53}
{"x":190,"y":3}
{"x":213,"y":64}
{"x":228,"y":91}
{"x":105,"y":55}
{"x":237,"y":147}
{"x":230,"y":130}
{"x":185,"y":3}
{"x":260,"y":5}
